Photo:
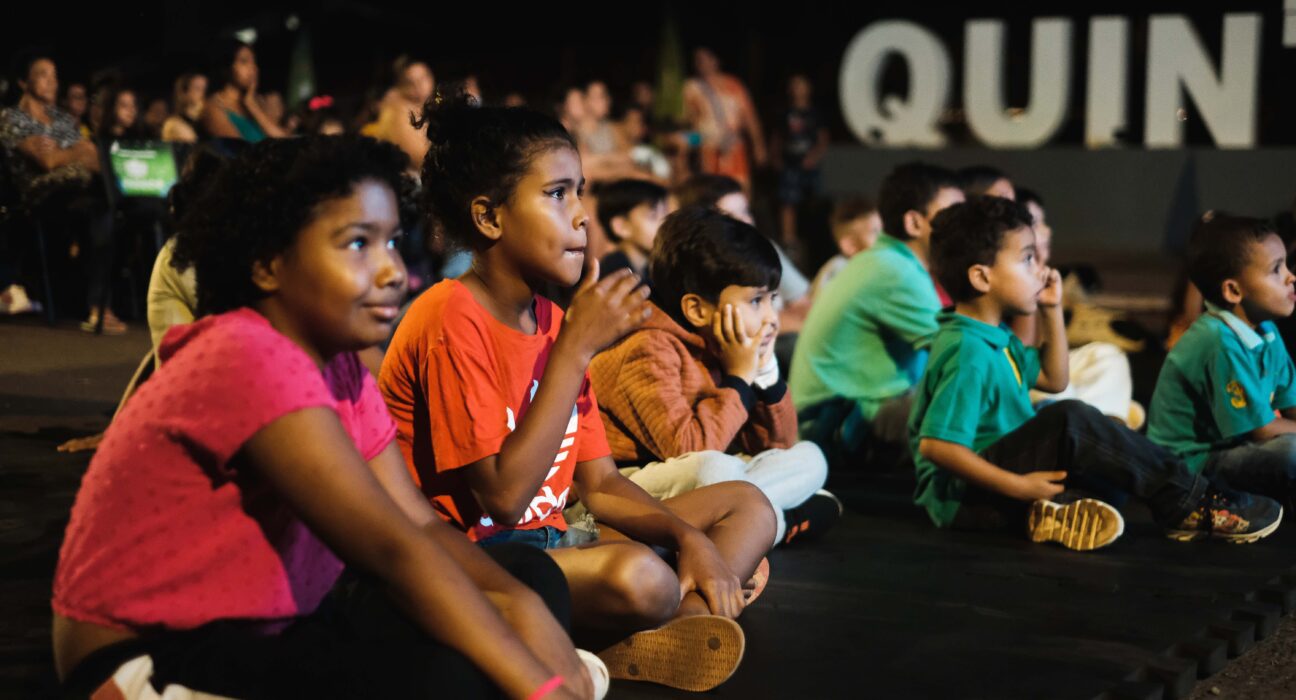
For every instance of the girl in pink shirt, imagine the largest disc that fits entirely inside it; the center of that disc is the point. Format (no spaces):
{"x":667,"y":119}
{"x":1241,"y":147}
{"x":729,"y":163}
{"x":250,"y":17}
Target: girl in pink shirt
{"x":213,"y":524}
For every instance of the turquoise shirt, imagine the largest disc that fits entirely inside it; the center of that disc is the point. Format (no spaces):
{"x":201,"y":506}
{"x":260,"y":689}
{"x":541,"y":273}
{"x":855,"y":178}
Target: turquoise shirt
{"x":1222,"y":380}
{"x":247,"y":127}
{"x":865,"y":334}
{"x":975,"y":391}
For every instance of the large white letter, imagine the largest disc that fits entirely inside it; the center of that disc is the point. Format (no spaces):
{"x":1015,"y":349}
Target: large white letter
{"x":1105,"y":112}
{"x":1227,"y":103}
{"x":1050,"y":89}
{"x":909,"y":121}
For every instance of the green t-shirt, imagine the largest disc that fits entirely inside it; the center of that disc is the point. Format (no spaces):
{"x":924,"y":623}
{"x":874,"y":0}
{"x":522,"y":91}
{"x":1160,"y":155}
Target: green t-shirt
{"x":1222,"y":380}
{"x":975,"y":391}
{"x":864,"y":337}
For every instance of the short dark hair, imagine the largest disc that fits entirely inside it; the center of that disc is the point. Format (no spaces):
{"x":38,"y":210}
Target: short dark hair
{"x":971,"y":233}
{"x":852,"y":207}
{"x":1025,"y":195}
{"x":977,"y":179}
{"x":619,"y":198}
{"x":478,"y":151}
{"x":20,"y":67}
{"x":259,"y":202}
{"x":700,"y":250}
{"x":910,"y":187}
{"x":1220,"y":248}
{"x":705,"y":190}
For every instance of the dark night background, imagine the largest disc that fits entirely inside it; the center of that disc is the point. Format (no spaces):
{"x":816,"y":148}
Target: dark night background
{"x":536,"y":48}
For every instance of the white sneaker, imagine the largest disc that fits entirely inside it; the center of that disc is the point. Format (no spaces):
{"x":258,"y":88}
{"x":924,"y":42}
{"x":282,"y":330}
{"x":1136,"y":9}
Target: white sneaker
{"x":14,"y":300}
{"x":598,"y":672}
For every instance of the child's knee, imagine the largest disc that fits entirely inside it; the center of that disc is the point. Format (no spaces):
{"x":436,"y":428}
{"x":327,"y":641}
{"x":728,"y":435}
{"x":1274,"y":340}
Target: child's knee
{"x":1284,"y":447}
{"x":811,"y":460}
{"x":744,"y":498}
{"x":1068,"y":412}
{"x":646,"y":585}
{"x":715,"y":467}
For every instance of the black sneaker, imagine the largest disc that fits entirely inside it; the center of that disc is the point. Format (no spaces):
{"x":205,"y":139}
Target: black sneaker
{"x":1231,"y":516}
{"x":813,"y":517}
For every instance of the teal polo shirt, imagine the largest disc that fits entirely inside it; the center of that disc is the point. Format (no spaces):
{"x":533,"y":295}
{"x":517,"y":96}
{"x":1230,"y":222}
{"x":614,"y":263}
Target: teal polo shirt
{"x":864,"y":335}
{"x":976,"y":390}
{"x":1222,"y":380}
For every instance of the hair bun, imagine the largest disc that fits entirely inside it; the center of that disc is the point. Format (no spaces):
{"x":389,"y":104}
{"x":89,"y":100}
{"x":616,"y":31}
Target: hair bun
{"x":443,"y":112}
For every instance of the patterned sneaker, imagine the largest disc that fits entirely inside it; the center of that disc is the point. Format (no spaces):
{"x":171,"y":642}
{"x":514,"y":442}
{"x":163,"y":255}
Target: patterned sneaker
{"x":1081,"y":525}
{"x":813,"y":517}
{"x":694,"y":653}
{"x":1231,"y":516}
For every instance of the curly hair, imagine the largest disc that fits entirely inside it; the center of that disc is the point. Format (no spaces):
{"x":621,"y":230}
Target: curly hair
{"x":258,"y":203}
{"x":478,"y":151}
{"x":971,"y":233}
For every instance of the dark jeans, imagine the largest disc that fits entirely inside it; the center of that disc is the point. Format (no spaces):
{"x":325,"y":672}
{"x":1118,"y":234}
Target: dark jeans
{"x":1267,"y":468}
{"x":357,"y":644}
{"x":1100,"y":456}
{"x":852,"y":442}
{"x":82,"y":215}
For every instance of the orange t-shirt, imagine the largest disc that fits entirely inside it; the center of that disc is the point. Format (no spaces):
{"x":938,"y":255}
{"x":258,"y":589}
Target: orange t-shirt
{"x":457,"y":381}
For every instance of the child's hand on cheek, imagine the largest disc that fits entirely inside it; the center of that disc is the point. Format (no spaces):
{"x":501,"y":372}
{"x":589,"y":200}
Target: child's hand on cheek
{"x":740,"y":353}
{"x":1051,"y":295}
{"x":603,"y":311}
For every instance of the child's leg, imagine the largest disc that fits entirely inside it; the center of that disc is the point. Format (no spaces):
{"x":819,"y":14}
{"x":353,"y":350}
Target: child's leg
{"x":1096,"y":452}
{"x":738,"y":518}
{"x":789,"y":477}
{"x":358,"y":644}
{"x":670,"y":478}
{"x":1267,"y":467}
{"x":617,"y":584}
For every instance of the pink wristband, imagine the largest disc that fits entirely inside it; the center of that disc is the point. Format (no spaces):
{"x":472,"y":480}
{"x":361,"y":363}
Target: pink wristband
{"x":548,"y":687}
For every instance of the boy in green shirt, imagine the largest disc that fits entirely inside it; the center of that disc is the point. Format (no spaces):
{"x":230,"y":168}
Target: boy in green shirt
{"x":1226,"y":398}
{"x":862,"y":347}
{"x":985,"y":459}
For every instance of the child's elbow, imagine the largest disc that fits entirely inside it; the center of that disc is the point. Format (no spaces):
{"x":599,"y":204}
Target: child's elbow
{"x":928,"y":449}
{"x":505,"y":508}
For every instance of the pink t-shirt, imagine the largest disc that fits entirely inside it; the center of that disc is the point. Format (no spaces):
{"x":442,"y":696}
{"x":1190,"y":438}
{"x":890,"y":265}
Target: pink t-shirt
{"x":166,"y":531}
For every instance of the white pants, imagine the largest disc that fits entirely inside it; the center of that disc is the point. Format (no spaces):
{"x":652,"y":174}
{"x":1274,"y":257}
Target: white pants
{"x":786,"y":477}
{"x":1100,"y":377}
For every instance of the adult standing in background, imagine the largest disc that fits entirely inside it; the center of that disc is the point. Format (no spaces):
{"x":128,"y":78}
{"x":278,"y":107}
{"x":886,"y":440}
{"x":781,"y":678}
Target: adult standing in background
{"x":187,"y":107}
{"x":720,"y":111}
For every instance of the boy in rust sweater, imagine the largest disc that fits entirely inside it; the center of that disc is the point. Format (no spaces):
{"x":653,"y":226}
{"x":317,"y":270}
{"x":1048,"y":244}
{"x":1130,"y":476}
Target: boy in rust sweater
{"x":694,"y":396}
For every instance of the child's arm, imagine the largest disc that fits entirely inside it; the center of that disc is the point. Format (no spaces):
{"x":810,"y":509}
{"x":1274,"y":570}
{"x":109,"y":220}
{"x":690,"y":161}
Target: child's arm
{"x":1055,"y":369}
{"x":627,"y":508}
{"x":970,"y":466}
{"x":1278,"y":426}
{"x":601,"y":312}
{"x":525,"y":612}
{"x":309,"y":459}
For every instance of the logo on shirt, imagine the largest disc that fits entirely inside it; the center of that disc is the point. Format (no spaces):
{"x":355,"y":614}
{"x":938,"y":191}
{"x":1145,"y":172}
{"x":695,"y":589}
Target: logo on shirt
{"x":1237,"y":397}
{"x":546,"y":501}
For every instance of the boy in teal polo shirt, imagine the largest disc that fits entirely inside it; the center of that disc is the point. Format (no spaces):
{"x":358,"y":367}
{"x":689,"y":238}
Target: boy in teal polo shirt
{"x":1226,"y":398}
{"x":985,"y":459}
{"x":861,"y":349}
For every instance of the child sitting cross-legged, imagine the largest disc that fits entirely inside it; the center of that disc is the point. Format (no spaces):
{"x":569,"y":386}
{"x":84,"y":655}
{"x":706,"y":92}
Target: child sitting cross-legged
{"x":1226,"y":397}
{"x":694,"y":396}
{"x":986,"y":459}
{"x":488,"y":383}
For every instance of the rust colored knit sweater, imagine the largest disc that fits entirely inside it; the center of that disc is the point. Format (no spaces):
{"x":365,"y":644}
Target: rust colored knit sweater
{"x":662,"y":394}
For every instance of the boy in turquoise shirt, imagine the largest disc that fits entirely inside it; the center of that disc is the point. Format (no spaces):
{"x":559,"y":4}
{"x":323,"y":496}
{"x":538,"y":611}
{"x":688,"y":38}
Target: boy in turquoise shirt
{"x":861,"y":349}
{"x":985,"y":459}
{"x":1226,"y":398}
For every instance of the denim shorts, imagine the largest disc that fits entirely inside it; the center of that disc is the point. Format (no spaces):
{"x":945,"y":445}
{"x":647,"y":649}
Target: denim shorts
{"x":547,"y":537}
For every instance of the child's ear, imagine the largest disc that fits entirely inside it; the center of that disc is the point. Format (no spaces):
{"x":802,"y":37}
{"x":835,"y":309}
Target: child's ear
{"x":485,"y":216}
{"x":979,"y":277}
{"x":1231,"y":291}
{"x":265,"y":275}
{"x":697,"y":311}
{"x":620,"y":227}
{"x":913,"y":220}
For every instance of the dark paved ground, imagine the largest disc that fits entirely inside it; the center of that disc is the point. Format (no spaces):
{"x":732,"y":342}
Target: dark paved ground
{"x":885,"y":606}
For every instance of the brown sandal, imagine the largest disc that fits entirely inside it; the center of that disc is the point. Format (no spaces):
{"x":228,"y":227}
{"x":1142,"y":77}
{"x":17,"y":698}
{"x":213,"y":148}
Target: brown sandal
{"x":694,"y":653}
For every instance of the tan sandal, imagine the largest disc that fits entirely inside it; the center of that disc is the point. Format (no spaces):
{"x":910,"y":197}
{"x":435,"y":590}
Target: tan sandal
{"x":694,"y":653}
